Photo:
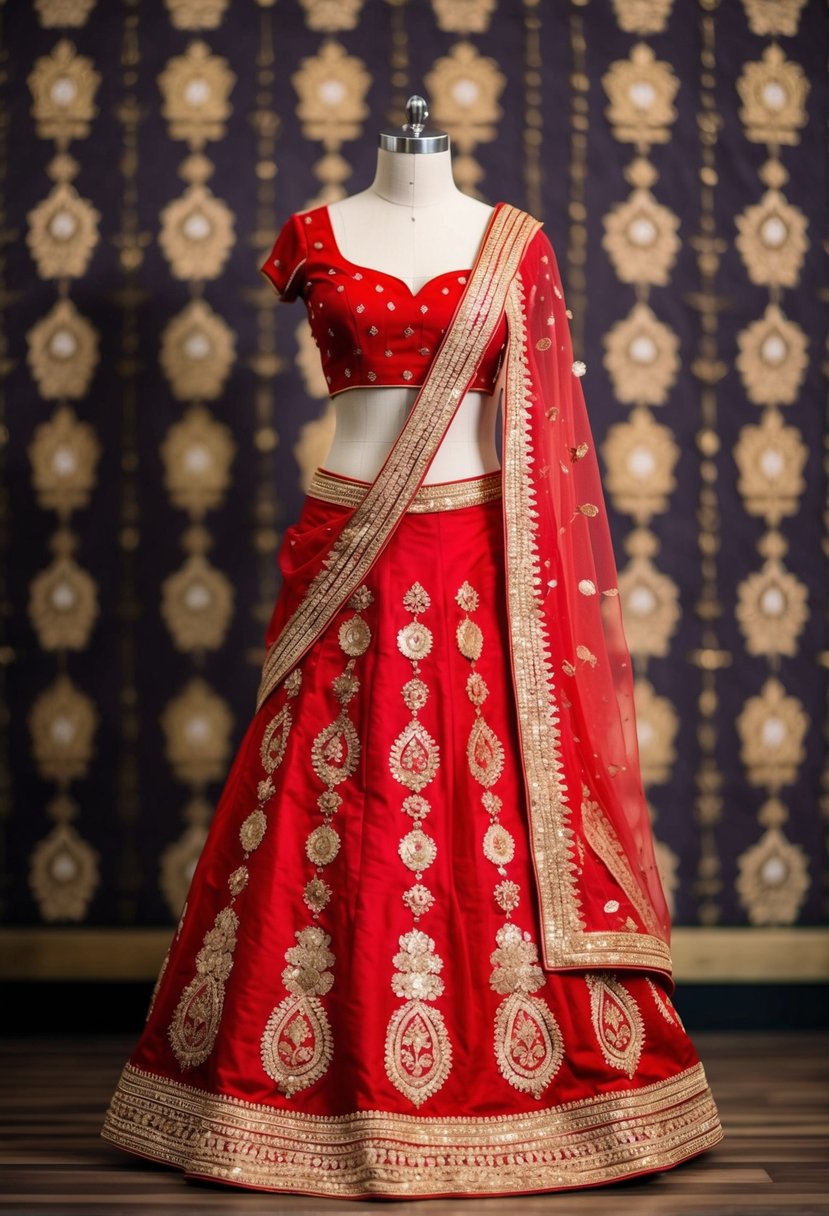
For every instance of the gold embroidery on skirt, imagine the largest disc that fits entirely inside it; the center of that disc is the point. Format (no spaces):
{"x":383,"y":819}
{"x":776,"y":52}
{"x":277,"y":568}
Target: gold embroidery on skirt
{"x":617,"y":1022}
{"x":528,"y":1043}
{"x":192,"y":1032}
{"x":418,"y":1051}
{"x":297,"y":1044}
{"x":195,"y":1023}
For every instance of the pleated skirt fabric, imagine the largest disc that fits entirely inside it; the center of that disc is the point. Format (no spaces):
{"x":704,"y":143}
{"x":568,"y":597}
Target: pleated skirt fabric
{"x":352,"y":1003}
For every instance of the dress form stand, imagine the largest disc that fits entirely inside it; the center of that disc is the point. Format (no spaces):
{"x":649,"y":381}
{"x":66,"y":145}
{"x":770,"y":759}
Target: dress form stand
{"x":414,"y":223}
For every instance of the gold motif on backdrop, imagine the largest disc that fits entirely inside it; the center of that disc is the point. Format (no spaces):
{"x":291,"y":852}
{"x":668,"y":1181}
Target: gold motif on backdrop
{"x":773,"y":91}
{"x":331,"y":87}
{"x":197,"y":453}
{"x":63,"y":87}
{"x":197,"y":352}
{"x":63,"y":874}
{"x":772,"y":603}
{"x":641,"y":91}
{"x":650,"y":599}
{"x":197,"y":604}
{"x":464,"y":88}
{"x":773,"y":879}
{"x":642,"y":17}
{"x":64,"y":454}
{"x":192,"y":1032}
{"x":197,"y":725}
{"x":196,"y":89}
{"x":196,"y":234}
{"x":463,"y":16}
{"x":773,"y":17}
{"x":772,"y":240}
{"x":772,"y":727}
{"x":56,"y":13}
{"x":640,"y":456}
{"x":329,"y":16}
{"x":771,"y":457}
{"x":657,"y":726}
{"x":63,"y":352}
{"x":62,"y":721}
{"x":63,"y":605}
{"x":196,"y":14}
{"x":63,"y":232}
{"x":772,"y":360}
{"x":641,"y":238}
{"x":617,"y":1022}
{"x":178,"y":862}
{"x":642,"y":357}
{"x":297,"y":1045}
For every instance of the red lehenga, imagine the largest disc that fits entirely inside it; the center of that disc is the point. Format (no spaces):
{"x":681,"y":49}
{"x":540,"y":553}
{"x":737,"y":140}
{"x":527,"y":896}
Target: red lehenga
{"x":426,"y":950}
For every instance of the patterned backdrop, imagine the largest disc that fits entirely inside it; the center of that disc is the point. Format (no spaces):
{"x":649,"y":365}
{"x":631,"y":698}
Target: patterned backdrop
{"x":162,"y":414}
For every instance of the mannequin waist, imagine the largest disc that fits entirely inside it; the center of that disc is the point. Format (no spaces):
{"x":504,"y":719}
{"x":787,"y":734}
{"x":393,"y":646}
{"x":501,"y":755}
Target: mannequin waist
{"x":368,"y":421}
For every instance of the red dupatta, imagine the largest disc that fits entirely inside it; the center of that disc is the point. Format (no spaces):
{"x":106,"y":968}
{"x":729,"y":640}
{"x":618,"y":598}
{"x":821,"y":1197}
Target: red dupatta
{"x":600,"y":897}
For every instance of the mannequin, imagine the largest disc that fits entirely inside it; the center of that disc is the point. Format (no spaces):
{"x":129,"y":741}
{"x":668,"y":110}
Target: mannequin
{"x":414,"y":223}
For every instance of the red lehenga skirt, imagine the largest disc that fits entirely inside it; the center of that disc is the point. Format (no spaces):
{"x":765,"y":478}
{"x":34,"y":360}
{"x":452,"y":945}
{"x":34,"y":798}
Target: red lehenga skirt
{"x":352,"y":1003}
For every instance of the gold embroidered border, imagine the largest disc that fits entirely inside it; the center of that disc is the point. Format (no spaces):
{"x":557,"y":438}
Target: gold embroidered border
{"x":601,"y":836}
{"x":442,"y":496}
{"x":565,"y":941}
{"x":366,"y":532}
{"x":580,"y":1143}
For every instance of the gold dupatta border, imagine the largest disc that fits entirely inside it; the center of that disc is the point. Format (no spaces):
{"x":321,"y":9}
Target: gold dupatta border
{"x":565,"y":941}
{"x":367,"y":531}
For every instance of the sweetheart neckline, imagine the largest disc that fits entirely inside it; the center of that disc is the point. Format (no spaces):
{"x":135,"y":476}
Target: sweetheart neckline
{"x":387,"y":274}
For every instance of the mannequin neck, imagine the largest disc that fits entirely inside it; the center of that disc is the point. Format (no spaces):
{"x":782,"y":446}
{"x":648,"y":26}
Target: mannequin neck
{"x":414,"y":179}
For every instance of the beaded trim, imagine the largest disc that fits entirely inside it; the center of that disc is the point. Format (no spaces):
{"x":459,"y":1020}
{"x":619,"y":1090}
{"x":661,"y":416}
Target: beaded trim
{"x":441,"y":496}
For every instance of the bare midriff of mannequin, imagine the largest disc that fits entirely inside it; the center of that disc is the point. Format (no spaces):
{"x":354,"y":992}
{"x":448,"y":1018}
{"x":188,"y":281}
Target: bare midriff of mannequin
{"x":412,"y":222}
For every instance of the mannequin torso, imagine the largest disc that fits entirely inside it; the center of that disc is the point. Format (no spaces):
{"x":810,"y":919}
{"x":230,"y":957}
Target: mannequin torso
{"x":413,"y":223}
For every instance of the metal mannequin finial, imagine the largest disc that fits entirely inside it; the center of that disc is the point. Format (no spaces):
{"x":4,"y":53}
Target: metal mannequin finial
{"x":414,"y":135}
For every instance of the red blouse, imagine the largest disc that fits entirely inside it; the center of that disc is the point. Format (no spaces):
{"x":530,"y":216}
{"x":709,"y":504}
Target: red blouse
{"x":371,"y":329}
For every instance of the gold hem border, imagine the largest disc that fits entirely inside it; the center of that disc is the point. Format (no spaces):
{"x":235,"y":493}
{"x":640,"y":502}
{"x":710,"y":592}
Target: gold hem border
{"x":439,"y":496}
{"x":580,"y":1143}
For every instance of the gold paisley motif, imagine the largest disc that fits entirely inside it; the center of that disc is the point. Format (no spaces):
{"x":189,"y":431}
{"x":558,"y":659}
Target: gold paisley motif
{"x":414,"y":757}
{"x":275,"y":739}
{"x":297,"y":1046}
{"x":335,"y":753}
{"x":195,"y":1024}
{"x":528,"y":1045}
{"x":485,"y":753}
{"x":617,"y":1022}
{"x":418,"y":1051}
{"x":252,"y":831}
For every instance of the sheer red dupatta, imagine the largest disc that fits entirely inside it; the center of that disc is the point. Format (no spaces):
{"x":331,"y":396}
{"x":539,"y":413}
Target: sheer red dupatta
{"x":601,"y":898}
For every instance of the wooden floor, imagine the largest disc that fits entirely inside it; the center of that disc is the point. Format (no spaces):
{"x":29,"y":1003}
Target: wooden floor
{"x":772,"y":1091}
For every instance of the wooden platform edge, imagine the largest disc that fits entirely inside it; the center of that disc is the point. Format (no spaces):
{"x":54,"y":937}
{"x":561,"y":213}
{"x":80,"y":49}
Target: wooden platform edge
{"x":726,"y":955}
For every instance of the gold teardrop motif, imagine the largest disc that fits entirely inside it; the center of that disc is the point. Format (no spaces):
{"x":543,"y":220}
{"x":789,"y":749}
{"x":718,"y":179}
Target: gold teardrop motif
{"x":617,"y":1022}
{"x":297,"y":1045}
{"x":195,"y":1023}
{"x":275,"y":739}
{"x":485,"y":753}
{"x":418,"y":1051}
{"x":335,"y":752}
{"x":415,"y":756}
{"x":528,"y":1043}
